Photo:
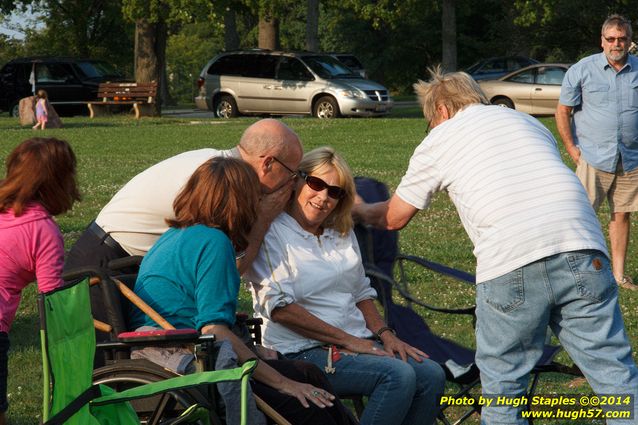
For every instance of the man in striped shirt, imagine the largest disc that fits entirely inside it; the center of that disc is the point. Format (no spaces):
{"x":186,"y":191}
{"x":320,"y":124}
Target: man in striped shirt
{"x":541,"y":255}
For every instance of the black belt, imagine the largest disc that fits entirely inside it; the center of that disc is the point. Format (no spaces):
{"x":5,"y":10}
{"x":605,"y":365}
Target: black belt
{"x":104,"y":237}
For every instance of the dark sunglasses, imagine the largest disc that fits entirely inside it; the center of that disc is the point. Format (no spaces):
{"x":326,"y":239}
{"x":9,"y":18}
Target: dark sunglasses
{"x":315,"y":183}
{"x":612,"y":40}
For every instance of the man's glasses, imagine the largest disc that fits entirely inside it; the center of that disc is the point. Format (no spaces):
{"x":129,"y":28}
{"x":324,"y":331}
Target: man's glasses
{"x":315,"y":183}
{"x":293,"y":173}
{"x":612,"y":40}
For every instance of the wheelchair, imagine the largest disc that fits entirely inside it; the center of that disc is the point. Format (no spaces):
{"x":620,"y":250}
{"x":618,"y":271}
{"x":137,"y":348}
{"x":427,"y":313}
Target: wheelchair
{"x":112,"y":366}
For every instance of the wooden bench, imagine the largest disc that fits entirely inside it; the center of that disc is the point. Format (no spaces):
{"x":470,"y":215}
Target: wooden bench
{"x":141,"y":96}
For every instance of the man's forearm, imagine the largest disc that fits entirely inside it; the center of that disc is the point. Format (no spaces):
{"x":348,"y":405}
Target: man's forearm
{"x":371,"y":214}
{"x":563,"y":125}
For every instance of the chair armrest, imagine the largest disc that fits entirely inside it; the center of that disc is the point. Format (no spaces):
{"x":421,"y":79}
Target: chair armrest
{"x":439,"y":268}
{"x":376,"y":274}
{"x":155,"y":335}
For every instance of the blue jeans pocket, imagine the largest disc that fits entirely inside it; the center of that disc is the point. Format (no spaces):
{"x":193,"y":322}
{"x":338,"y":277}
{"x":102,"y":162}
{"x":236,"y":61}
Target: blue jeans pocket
{"x":504,"y":293}
{"x":592,"y":272}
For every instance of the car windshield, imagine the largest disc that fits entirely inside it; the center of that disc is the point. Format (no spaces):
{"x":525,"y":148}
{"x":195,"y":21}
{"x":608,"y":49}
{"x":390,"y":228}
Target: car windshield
{"x":98,"y":70}
{"x":328,"y":67}
{"x":472,"y":68}
{"x":350,"y":61}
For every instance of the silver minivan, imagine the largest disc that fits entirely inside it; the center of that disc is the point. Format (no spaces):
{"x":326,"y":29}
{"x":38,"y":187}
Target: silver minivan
{"x":268,"y":82}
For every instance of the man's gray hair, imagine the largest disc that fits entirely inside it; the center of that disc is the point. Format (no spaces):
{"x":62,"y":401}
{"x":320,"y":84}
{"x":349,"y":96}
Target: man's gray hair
{"x":617,"y":21}
{"x":455,"y":90}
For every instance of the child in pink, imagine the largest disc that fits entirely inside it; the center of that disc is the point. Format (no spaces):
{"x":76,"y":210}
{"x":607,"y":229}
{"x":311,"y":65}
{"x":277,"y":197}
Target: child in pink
{"x":41,"y":110}
{"x":40,"y":183}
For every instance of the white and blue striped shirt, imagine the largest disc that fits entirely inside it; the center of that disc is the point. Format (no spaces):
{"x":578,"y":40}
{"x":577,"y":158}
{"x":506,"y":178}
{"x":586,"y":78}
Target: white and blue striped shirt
{"x":516,"y":198}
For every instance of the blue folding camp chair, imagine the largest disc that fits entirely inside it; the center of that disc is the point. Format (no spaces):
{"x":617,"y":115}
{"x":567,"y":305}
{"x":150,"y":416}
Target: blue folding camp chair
{"x":391,"y":274}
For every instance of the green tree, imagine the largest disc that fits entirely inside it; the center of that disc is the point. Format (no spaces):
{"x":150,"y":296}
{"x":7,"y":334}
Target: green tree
{"x":567,"y":30}
{"x":88,"y":28}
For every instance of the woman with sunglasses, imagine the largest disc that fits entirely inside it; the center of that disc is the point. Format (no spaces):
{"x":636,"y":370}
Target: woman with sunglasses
{"x":309,"y":286}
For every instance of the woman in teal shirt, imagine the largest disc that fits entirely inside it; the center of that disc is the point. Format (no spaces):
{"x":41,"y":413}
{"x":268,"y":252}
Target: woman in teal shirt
{"x":190,"y":278}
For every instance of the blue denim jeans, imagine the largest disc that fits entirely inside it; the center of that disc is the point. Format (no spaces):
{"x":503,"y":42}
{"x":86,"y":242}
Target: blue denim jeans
{"x":573,"y":293}
{"x":398,"y":392}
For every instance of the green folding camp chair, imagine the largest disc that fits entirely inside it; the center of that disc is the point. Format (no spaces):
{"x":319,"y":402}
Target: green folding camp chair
{"x":68,"y":347}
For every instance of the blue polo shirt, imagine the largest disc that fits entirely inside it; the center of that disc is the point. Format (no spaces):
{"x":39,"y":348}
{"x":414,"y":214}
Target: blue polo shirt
{"x":189,"y":277}
{"x":605,"y":124}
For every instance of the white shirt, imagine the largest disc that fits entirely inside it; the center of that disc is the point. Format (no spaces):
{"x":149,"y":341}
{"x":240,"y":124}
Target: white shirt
{"x":135,"y":216}
{"x":322,"y":274}
{"x":516,"y":198}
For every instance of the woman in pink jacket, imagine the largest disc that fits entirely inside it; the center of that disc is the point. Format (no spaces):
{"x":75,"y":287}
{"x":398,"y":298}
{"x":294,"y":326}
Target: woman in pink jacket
{"x":40,"y":183}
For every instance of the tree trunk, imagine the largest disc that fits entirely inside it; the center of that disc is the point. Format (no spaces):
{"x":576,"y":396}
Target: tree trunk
{"x":268,"y":32}
{"x":231,"y":38}
{"x":147,"y":58}
{"x":312,"y":26}
{"x":448,"y":34}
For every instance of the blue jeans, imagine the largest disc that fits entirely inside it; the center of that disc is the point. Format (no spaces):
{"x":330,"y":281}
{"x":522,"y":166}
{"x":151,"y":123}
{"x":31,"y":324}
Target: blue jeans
{"x":398,"y":392}
{"x":575,"y":294}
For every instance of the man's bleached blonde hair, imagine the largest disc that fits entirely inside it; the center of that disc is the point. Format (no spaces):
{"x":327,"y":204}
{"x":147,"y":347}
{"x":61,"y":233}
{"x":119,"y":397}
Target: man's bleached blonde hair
{"x":455,"y":90}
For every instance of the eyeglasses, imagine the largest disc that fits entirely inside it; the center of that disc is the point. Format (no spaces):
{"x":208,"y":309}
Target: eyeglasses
{"x":293,"y":173}
{"x":612,"y":40}
{"x":315,"y":183}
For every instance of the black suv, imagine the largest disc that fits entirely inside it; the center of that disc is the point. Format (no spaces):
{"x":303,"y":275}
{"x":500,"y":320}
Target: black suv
{"x":69,"y":82}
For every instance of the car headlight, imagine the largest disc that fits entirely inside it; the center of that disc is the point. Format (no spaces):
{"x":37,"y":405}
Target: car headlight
{"x":352,"y":94}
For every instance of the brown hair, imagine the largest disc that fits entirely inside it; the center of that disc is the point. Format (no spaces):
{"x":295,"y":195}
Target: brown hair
{"x":41,"y":94}
{"x":340,"y":218}
{"x":40,"y":170}
{"x":455,"y":90}
{"x":222,"y":193}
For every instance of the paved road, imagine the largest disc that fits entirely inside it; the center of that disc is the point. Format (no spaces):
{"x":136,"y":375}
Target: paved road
{"x":197,"y":113}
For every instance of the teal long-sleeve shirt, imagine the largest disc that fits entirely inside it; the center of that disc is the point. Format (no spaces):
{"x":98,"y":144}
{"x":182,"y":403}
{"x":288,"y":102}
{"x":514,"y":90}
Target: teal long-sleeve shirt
{"x":189,"y":277}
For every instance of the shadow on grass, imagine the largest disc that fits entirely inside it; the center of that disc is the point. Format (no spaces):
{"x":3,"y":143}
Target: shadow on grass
{"x":24,"y":332}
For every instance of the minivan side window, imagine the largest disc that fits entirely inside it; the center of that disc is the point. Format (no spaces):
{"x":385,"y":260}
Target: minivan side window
{"x":261,"y":66}
{"x":227,"y":65}
{"x":293,"y":69}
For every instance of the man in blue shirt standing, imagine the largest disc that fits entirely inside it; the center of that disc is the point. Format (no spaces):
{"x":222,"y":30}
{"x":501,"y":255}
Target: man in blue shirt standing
{"x":602,"y":138}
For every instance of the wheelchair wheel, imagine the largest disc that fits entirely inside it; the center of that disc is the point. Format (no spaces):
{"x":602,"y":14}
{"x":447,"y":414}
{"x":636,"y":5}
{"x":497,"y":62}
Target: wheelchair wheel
{"x":158,"y":409}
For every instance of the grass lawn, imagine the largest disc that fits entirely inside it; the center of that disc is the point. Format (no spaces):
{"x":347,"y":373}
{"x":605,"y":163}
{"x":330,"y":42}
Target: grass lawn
{"x":112,"y":150}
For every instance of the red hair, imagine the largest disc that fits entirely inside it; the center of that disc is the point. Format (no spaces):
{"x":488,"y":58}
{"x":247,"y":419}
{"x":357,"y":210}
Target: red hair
{"x":222,"y":193}
{"x":40,"y":170}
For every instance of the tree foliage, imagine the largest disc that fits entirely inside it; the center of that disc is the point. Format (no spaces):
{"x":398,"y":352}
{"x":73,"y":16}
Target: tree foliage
{"x":396,"y":40}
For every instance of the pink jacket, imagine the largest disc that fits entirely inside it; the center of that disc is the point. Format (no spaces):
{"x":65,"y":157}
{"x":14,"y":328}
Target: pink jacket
{"x":31,"y":247}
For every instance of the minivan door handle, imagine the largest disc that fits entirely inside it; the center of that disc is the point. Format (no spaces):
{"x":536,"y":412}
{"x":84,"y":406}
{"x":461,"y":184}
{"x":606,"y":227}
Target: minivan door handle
{"x":268,"y":86}
{"x":278,"y":87}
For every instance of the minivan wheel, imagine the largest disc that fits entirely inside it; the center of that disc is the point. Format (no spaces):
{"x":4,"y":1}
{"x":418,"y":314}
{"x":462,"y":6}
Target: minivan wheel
{"x":226,"y":107}
{"x":326,"y":107}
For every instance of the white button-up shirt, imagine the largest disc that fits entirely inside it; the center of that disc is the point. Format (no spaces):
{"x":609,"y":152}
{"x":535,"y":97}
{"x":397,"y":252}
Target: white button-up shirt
{"x":323,"y":274}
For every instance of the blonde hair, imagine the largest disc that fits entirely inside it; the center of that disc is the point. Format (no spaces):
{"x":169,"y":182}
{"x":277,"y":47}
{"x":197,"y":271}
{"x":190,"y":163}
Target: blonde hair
{"x":340,"y":218}
{"x":455,"y":90}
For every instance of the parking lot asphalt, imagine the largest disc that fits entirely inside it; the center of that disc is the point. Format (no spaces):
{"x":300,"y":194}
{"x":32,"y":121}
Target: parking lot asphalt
{"x":201,"y":114}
